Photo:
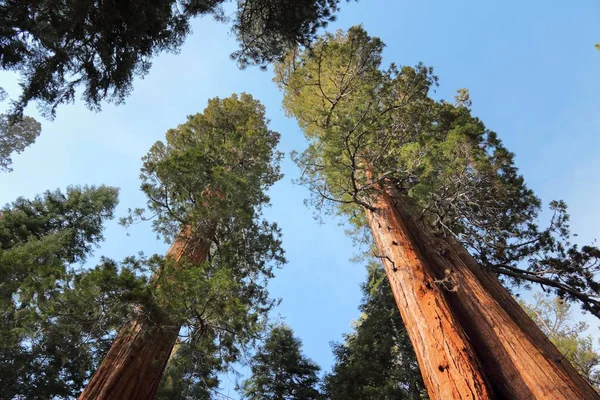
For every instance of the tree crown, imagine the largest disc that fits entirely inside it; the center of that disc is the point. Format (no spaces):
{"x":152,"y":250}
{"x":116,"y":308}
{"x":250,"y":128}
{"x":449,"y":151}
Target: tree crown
{"x":373,"y":129}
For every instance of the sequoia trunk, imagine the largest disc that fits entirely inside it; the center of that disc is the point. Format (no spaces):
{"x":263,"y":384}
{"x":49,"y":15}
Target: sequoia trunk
{"x":519,"y":361}
{"x":135,"y":362}
{"x":447,"y":361}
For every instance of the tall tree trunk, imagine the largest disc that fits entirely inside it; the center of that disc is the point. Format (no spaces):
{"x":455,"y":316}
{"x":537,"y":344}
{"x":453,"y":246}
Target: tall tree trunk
{"x":519,"y":361}
{"x":134,"y":365}
{"x":447,"y":361}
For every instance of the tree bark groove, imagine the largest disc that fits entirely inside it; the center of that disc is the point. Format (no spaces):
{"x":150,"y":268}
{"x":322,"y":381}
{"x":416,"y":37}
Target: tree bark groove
{"x":134,"y":365}
{"x":510,"y":353}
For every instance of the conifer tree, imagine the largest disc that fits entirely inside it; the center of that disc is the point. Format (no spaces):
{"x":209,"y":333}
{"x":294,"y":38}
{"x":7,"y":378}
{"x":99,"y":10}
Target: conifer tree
{"x":100,"y":46}
{"x":430,"y":181}
{"x":48,"y":336}
{"x":376,"y":361}
{"x":280,"y":371}
{"x":206,"y":188}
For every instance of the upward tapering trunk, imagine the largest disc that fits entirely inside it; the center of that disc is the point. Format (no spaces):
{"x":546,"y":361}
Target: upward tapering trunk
{"x":447,"y":361}
{"x":134,"y":365}
{"x":513,"y":356}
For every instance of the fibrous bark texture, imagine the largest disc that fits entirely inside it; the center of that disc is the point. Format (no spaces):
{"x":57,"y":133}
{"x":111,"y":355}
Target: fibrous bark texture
{"x":134,"y":365}
{"x":472,"y":340}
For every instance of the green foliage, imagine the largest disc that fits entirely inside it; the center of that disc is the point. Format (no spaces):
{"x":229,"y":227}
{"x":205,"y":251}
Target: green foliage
{"x":280,"y":371}
{"x":215,"y":167}
{"x":266,"y":29}
{"x":208,"y":181}
{"x":59,"y":46}
{"x":191,"y":373}
{"x":207,"y":184}
{"x":372,"y":128}
{"x":15,"y":135}
{"x":50,"y":333}
{"x":376,"y":361}
{"x":554,"y":318}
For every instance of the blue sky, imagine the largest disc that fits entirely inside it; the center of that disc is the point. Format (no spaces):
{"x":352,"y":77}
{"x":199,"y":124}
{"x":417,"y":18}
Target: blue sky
{"x":533,"y":75}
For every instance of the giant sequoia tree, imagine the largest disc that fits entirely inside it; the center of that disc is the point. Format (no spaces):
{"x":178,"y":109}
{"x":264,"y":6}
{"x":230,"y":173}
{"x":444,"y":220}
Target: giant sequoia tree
{"x":206,"y":190}
{"x":430,"y":182}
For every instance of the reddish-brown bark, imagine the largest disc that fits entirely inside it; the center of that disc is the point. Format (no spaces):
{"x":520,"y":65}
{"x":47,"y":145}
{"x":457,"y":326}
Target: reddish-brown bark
{"x":135,"y":362}
{"x":435,"y":279}
{"x":448,"y":364}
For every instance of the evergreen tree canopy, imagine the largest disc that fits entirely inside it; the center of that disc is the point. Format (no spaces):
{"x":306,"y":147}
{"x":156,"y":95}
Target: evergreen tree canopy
{"x":372,"y":128}
{"x":47,"y":341}
{"x":192,"y":371}
{"x":60,"y":45}
{"x":207,"y":183}
{"x":376,"y":361}
{"x":15,"y":136}
{"x":280,"y":371}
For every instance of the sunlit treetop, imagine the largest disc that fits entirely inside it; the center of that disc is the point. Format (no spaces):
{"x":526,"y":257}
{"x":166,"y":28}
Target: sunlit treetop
{"x":214,"y":168}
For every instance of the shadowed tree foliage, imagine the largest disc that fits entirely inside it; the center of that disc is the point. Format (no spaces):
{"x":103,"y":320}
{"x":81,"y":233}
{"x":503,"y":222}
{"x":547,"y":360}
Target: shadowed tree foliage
{"x":15,"y":136}
{"x":280,"y":371}
{"x":51,"y":335}
{"x":59,"y":46}
{"x":206,"y":187}
{"x":376,"y":361}
{"x":429,"y":181}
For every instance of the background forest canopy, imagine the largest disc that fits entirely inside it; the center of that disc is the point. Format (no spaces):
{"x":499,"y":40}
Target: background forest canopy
{"x":366,"y":125}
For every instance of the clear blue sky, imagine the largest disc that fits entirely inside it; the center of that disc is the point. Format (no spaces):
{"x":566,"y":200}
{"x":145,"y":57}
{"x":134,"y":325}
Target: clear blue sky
{"x":530,"y":66}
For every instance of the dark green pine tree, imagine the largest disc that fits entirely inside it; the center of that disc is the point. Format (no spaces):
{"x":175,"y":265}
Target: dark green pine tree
{"x":376,"y":361}
{"x":45,"y":347}
{"x":100,"y":46}
{"x":280,"y":371}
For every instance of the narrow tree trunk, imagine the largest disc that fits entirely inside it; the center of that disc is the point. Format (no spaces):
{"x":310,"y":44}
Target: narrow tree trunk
{"x":447,"y":361}
{"x":135,"y":362}
{"x":519,"y":361}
